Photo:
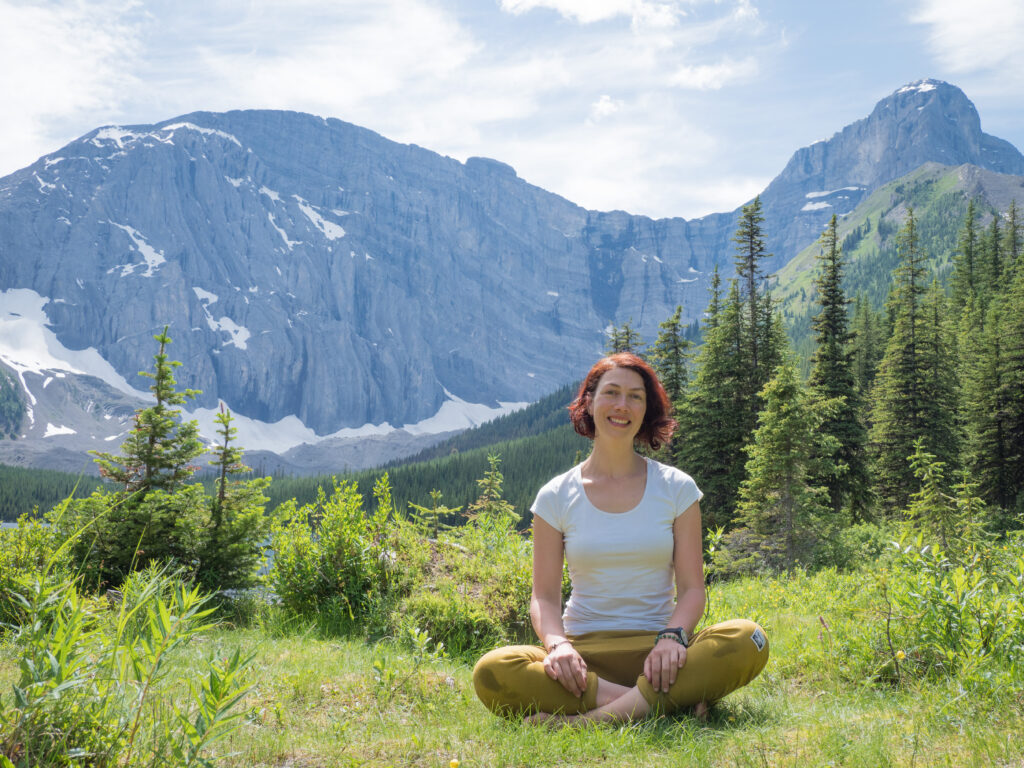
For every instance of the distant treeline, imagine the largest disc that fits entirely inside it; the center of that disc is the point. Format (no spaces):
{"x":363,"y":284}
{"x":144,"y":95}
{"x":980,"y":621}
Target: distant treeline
{"x":526,"y":463}
{"x":22,"y":490}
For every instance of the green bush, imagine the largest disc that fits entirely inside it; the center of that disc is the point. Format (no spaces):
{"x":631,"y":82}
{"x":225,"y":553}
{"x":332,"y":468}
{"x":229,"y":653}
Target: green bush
{"x":339,"y":566}
{"x":448,"y":615}
{"x":25,"y":552}
{"x":956,"y":613}
{"x":91,"y":689}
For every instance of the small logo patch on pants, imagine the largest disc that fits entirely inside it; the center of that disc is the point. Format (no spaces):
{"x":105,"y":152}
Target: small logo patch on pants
{"x":759,"y":639}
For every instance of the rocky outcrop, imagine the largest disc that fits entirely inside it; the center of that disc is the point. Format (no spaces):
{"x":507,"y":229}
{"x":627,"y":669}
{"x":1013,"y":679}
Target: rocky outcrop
{"x":310,"y":267}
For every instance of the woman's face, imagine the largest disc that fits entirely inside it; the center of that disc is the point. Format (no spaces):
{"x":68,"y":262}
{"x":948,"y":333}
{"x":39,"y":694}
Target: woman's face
{"x":618,"y":404}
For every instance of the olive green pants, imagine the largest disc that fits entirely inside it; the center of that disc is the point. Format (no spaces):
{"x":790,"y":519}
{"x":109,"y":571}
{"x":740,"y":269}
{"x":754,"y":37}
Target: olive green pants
{"x":720,"y":659}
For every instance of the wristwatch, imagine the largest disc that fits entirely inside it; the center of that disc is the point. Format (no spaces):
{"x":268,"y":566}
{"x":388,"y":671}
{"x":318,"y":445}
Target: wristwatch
{"x":676,"y":633}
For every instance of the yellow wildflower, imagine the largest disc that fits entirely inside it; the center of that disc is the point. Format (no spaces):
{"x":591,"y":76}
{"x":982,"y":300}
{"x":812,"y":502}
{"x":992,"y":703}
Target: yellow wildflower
{"x":900,"y":655}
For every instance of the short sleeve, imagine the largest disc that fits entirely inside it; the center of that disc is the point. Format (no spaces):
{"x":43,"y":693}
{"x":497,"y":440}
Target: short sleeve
{"x":687,"y":493}
{"x":548,"y":507}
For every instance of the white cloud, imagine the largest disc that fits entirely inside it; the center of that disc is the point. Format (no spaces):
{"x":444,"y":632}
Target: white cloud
{"x":712,"y":77}
{"x":581,"y":108}
{"x":976,"y":36}
{"x":64,"y":64}
{"x":590,"y":11}
{"x":604,"y":107}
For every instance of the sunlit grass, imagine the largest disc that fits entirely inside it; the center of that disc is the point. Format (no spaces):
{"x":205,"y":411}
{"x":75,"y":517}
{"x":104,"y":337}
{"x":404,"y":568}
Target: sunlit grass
{"x":320,"y":702}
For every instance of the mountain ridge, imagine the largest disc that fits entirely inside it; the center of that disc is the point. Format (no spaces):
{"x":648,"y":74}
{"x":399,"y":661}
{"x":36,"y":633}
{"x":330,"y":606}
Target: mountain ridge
{"x":313,"y":269}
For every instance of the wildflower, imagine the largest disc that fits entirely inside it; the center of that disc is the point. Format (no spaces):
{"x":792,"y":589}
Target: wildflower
{"x":453,"y":764}
{"x":900,"y":655}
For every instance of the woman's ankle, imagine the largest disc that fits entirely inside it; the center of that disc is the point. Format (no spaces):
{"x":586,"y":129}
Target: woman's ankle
{"x":607,"y":692}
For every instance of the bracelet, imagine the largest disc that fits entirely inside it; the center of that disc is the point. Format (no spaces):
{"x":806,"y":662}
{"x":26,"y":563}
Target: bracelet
{"x":558,"y":643}
{"x":676,"y":633}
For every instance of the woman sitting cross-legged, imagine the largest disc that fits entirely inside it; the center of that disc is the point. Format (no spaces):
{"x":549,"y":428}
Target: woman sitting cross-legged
{"x":627,"y":527}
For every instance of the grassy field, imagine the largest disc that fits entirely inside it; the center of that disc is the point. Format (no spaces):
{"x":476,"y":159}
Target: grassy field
{"x":345,"y":702}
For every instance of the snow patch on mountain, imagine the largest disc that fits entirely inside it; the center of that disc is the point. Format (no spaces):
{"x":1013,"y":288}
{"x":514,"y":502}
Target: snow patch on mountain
{"x":331,"y":230}
{"x":814,"y":195}
{"x":150,"y":255}
{"x":289,"y":432}
{"x":27,"y":345}
{"x":205,"y":131}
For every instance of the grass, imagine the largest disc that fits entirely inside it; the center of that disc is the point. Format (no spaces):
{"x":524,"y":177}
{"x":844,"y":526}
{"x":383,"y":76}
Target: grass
{"x":344,"y":702}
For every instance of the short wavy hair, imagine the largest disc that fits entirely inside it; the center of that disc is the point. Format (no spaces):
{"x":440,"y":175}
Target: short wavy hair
{"x":658,"y":425}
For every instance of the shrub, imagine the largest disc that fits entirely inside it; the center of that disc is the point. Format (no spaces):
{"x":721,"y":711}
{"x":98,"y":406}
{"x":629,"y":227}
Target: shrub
{"x":957,"y":613}
{"x":25,"y":552}
{"x":90,"y":690}
{"x":337,"y":565}
{"x":460,"y":621}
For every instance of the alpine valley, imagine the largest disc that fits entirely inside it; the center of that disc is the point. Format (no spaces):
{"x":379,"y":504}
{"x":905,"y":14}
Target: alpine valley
{"x":353,"y":300}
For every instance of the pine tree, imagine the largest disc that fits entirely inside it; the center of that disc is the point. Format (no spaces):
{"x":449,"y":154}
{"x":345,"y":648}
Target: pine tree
{"x":983,"y":405}
{"x":490,"y":508}
{"x":715,"y":305}
{"x":992,"y":264}
{"x":750,"y":253}
{"x":669,"y":355}
{"x":832,"y":378}
{"x":624,"y":339}
{"x":966,"y":266}
{"x":1012,"y":240}
{"x":157,"y":455}
{"x":939,"y":352}
{"x":1010,"y":385}
{"x":898,"y":412}
{"x":715,"y":418}
{"x":868,"y":344}
{"x":781,"y":507}
{"x":231,"y":551}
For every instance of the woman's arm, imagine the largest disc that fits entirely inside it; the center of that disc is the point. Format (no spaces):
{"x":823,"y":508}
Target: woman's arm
{"x":563,"y":663}
{"x":668,"y":657}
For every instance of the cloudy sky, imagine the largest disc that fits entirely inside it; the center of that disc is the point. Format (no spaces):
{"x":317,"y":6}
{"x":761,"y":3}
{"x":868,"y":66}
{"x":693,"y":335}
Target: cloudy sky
{"x":659,"y":107}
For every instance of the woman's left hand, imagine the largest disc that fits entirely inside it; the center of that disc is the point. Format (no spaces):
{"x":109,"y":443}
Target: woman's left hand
{"x":663,"y":663}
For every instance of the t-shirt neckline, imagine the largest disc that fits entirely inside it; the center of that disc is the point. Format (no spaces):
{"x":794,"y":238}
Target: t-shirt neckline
{"x":578,"y":477}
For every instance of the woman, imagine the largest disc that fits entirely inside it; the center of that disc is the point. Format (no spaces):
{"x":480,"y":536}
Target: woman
{"x":627,"y":527}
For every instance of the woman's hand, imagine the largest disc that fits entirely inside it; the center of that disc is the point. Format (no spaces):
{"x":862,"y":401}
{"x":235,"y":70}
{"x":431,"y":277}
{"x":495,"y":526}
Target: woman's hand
{"x":566,"y":666}
{"x":663,"y":663}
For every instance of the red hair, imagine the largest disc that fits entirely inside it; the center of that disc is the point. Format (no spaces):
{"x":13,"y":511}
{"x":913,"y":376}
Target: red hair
{"x":658,"y":424}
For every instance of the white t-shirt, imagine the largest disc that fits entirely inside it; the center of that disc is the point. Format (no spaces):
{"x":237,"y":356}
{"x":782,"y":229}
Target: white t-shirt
{"x":620,"y":563}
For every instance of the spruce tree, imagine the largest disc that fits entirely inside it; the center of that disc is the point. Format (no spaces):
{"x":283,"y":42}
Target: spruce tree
{"x":750,"y":253}
{"x":669,"y":355}
{"x":715,"y":419}
{"x":832,"y":378}
{"x":1012,"y":240}
{"x":715,"y":305}
{"x":782,"y":509}
{"x":966,"y":262}
{"x":939,"y":350}
{"x":983,"y":403}
{"x":158,"y":452}
{"x":898,"y":411}
{"x":1010,"y":385}
{"x":868,"y":344}
{"x":992,"y":264}
{"x":624,"y":339}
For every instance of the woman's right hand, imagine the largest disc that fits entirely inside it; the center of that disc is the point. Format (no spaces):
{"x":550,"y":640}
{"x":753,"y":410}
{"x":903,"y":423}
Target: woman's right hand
{"x":566,"y":666}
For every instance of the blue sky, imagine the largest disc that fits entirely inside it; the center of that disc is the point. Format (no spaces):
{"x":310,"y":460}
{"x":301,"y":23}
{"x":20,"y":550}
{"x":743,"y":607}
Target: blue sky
{"x":658,"y":107}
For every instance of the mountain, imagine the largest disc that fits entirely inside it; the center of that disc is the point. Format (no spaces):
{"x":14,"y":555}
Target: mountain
{"x":326,"y":282}
{"x":939,"y":196}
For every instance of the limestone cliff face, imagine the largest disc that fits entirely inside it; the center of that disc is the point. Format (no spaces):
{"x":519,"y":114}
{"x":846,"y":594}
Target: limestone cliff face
{"x":926,"y":121}
{"x":310,"y":267}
